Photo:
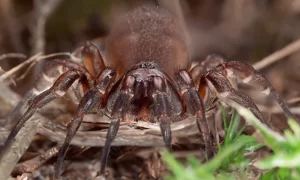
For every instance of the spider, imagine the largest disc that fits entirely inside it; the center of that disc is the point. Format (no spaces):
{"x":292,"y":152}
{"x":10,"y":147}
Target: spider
{"x":147,"y":75}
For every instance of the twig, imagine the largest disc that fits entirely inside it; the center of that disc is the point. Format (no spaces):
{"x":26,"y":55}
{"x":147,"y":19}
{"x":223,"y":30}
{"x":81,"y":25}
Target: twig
{"x":34,"y":59}
{"x":126,"y":135}
{"x":278,"y":55}
{"x":294,"y":100}
{"x":12,"y":55}
{"x":33,"y":164}
{"x":15,"y":69}
{"x":43,"y":10}
{"x":11,"y":154}
{"x":277,"y":110}
{"x":252,"y":120}
{"x":3,"y":72}
{"x":26,"y":72}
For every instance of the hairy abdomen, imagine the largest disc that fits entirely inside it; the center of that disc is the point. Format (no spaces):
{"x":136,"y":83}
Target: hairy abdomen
{"x":147,"y":34}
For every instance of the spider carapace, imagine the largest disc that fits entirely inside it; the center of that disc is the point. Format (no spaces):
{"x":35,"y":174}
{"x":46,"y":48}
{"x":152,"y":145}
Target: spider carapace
{"x":146,"y":75}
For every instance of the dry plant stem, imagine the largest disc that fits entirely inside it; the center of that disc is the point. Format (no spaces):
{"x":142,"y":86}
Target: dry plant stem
{"x":33,"y":164}
{"x":26,"y":72}
{"x":34,"y":59}
{"x":252,"y":120}
{"x":127,"y":135}
{"x":12,"y":55}
{"x":15,"y":69}
{"x":294,"y":100}
{"x":11,"y":154}
{"x":277,"y":110}
{"x":278,"y":55}
{"x":43,"y":10}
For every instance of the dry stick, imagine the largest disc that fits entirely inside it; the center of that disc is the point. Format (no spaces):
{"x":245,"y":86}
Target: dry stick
{"x":33,"y":164}
{"x":11,"y":155}
{"x":11,"y":80}
{"x":277,"y":110}
{"x":41,"y":58}
{"x":44,"y":126}
{"x":278,"y":55}
{"x":15,"y":69}
{"x":43,"y":9}
{"x":12,"y":55}
{"x":34,"y":59}
{"x":26,"y":72}
{"x":294,"y":100}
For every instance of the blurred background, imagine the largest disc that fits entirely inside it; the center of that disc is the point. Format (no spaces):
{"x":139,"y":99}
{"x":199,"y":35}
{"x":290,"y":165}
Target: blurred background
{"x":240,"y":30}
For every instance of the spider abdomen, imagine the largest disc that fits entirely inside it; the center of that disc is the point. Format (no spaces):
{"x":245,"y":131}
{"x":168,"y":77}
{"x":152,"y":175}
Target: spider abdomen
{"x":147,"y":34}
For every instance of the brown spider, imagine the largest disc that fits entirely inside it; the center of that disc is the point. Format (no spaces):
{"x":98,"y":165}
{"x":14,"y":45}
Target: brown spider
{"x":146,"y":76}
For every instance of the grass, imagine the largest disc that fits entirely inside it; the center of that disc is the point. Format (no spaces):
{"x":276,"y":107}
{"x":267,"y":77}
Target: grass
{"x":230,"y":162}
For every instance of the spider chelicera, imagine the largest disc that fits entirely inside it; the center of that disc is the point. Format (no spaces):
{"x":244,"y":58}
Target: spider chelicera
{"x":146,"y":75}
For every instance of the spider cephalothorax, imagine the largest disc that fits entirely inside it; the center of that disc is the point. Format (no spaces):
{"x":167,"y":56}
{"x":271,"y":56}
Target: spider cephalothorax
{"x":147,"y":75}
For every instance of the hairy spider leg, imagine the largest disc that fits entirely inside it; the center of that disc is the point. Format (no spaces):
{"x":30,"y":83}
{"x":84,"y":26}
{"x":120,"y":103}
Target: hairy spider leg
{"x":120,"y":108}
{"x":200,"y":70}
{"x":204,"y":66}
{"x":195,"y":106}
{"x":223,"y":89}
{"x":92,"y":100}
{"x":92,"y":58}
{"x":60,"y":66}
{"x":245,"y":73}
{"x":60,"y":86}
{"x":158,"y":89}
{"x":162,"y":108}
{"x":64,"y":65}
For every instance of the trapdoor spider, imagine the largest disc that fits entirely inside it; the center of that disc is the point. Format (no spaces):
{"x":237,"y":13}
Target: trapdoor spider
{"x":146,"y":76}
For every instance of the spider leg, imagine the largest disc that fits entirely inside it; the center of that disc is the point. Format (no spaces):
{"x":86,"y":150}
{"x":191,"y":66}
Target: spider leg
{"x":61,"y":66}
{"x":92,"y":58}
{"x":200,"y":70}
{"x":120,"y":103}
{"x":51,"y":71}
{"x":195,"y":106}
{"x":207,"y":64}
{"x":91,"y":100}
{"x":110,"y":136}
{"x":64,"y":65}
{"x":58,"y":89}
{"x":248,"y":75}
{"x":162,"y":109}
{"x":223,"y":89}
